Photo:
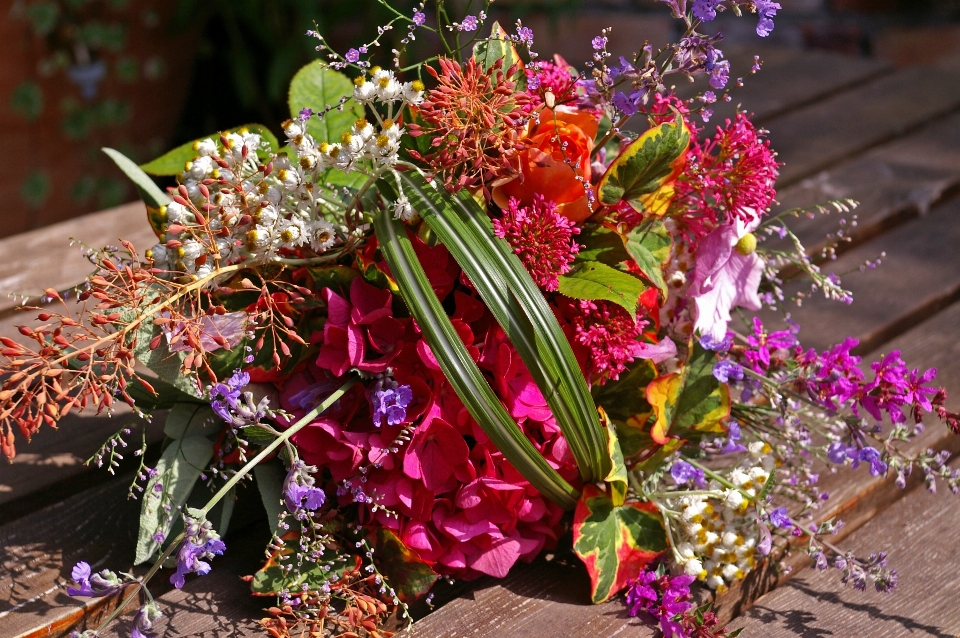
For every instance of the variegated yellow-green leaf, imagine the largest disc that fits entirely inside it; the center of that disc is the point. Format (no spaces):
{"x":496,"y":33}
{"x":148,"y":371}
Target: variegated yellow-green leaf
{"x":615,"y":542}
{"x":617,"y":478}
{"x":593,"y":281}
{"x":650,"y":163}
{"x":689,"y":401}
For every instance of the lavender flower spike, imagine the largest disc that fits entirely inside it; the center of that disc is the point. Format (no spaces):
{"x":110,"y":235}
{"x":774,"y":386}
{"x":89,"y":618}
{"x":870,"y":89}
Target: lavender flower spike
{"x":201,"y":542}
{"x":92,"y":585}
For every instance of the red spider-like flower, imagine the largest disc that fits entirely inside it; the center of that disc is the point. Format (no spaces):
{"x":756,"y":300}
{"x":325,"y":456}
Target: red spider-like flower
{"x":473,"y":118}
{"x":541,"y":237}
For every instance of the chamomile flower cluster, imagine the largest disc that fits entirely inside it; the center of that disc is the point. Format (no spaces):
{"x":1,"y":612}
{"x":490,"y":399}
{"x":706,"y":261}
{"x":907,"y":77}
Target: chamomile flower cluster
{"x":715,"y":529}
{"x":382,"y":86}
{"x":238,"y":202}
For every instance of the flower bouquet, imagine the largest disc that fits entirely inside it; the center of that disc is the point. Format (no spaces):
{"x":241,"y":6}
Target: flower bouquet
{"x":464,"y":306}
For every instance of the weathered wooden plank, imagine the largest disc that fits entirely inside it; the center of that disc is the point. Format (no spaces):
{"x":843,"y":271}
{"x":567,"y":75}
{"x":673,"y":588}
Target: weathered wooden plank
{"x":51,"y":467}
{"x":919,"y":275}
{"x":789,"y":80}
{"x":42,"y":258}
{"x":821,"y":135}
{"x":38,"y":551}
{"x":893,"y":183}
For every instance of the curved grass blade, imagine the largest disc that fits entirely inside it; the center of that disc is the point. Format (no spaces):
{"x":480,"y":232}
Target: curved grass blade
{"x":460,"y":369}
{"x":520,"y":308}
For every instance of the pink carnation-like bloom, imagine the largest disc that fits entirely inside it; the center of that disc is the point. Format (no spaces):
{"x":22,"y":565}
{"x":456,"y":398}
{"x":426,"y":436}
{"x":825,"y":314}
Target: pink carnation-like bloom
{"x":541,"y":237}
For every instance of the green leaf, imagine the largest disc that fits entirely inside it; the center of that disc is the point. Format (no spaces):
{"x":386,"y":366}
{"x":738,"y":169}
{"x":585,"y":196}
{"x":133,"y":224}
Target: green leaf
{"x":649,"y":245}
{"x":496,"y":48}
{"x":272,"y":578}
{"x":617,"y":478}
{"x":521,"y":310}
{"x":172,"y":162}
{"x":691,"y":401}
{"x":643,"y":167}
{"x":198,"y":418}
{"x":165,"y":395}
{"x":593,"y":280}
{"x":319,"y":88}
{"x":257,"y":435}
{"x":409,"y":575}
{"x":615,"y":542}
{"x":149,"y":192}
{"x":627,"y":396}
{"x":269,"y":477}
{"x":458,"y":366}
{"x":178,"y":469}
{"x":602,"y":244}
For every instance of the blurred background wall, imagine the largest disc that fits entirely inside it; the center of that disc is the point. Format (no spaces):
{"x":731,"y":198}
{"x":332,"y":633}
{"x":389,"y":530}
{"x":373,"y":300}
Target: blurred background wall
{"x":144,"y":75}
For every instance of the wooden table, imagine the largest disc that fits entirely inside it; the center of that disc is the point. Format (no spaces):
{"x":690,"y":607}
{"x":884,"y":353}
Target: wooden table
{"x":844,"y":128}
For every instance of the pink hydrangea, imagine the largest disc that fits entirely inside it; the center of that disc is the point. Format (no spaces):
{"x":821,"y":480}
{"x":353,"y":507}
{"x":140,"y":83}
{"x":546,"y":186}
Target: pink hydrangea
{"x":541,"y":237}
{"x":360,"y":332}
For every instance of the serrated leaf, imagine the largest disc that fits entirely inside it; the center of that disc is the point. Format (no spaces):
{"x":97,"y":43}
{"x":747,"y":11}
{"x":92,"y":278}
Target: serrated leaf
{"x":602,"y":244}
{"x":615,"y":543}
{"x":271,"y":579}
{"x":689,"y":401}
{"x":649,"y":245}
{"x":151,"y":194}
{"x":594,"y":281}
{"x":647,"y":164}
{"x":410,"y":576}
{"x":270,"y":477}
{"x":178,"y":469}
{"x":498,"y":47}
{"x":172,"y":162}
{"x":256,"y":435}
{"x":317,"y":87}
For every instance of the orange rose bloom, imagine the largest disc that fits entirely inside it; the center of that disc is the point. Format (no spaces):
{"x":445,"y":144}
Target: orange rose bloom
{"x":542,"y":166}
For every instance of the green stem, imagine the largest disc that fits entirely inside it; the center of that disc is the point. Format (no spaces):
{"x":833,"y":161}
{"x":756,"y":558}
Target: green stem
{"x":277,"y":442}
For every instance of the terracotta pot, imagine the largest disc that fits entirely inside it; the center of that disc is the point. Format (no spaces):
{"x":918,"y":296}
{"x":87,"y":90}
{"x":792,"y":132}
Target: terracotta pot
{"x":41,"y":147}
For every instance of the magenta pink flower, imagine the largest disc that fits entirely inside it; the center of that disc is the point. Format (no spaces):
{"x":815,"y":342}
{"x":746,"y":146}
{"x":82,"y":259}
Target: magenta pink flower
{"x":541,"y":237}
{"x":360,"y":333}
{"x":608,"y":333}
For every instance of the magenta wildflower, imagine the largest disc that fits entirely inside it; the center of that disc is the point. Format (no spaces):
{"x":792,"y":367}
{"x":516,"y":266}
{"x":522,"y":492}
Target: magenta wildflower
{"x":664,"y":597}
{"x":541,"y":237}
{"x":762,"y":343}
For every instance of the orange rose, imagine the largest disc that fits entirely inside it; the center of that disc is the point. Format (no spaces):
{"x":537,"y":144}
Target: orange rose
{"x":562,"y":133}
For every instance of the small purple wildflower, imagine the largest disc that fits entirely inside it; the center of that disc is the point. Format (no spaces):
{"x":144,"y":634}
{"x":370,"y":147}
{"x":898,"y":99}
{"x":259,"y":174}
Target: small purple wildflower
{"x":144,"y":619}
{"x":469,"y":24}
{"x":663,"y":597}
{"x":201,"y":542}
{"x":780,"y":518}
{"x":599,"y":42}
{"x":525,"y":35}
{"x":766,"y":10}
{"x":733,"y":435}
{"x":353,"y":56}
{"x":391,"y":404}
{"x":624,"y":104}
{"x":419,"y":18}
{"x":299,"y":492}
{"x":707,"y":342}
{"x":682,"y":472}
{"x":706,"y":114}
{"x":726,"y":370}
{"x":102,"y":583}
{"x":305,"y":114}
{"x":705,"y":10}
